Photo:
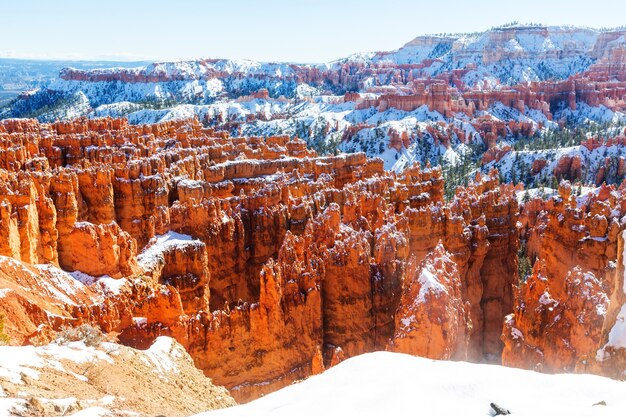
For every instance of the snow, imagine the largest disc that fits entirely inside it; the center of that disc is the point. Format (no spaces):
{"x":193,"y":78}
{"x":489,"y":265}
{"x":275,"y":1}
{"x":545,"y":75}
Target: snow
{"x":587,"y":114}
{"x":92,"y":412}
{"x":527,"y":54}
{"x":163,"y":353}
{"x":318,"y":113}
{"x":393,"y":384}
{"x":152,"y":255}
{"x":517,"y":334}
{"x":617,"y":335}
{"x":82,"y":277}
{"x":111,"y":285}
{"x":519,"y":162}
{"x":429,"y":284}
{"x":12,"y":406}
{"x":542,"y":192}
{"x":17,"y":362}
{"x":60,"y":279}
{"x":546,"y":299}
{"x":140,"y":321}
{"x":58,"y":284}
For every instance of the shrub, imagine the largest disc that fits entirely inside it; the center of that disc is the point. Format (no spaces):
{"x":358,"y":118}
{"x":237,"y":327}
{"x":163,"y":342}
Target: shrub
{"x":86,"y":333}
{"x":4,"y":338}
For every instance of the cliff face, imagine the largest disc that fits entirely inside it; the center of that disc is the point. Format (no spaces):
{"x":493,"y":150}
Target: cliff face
{"x":267,"y":262}
{"x":431,"y":320}
{"x":610,"y":358}
{"x":563,"y":313}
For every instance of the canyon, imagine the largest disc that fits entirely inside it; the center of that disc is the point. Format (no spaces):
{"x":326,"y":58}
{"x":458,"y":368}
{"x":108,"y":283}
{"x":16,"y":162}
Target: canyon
{"x":252,"y":225}
{"x":269,"y":263}
{"x":429,"y":100}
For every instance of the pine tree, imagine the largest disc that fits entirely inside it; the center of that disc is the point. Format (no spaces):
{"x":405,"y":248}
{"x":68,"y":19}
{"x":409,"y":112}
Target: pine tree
{"x":524,"y":265}
{"x":555,"y":183}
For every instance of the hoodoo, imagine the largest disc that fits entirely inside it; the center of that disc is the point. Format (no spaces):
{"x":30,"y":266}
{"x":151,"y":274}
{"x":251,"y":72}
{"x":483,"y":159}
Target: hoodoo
{"x":255,"y":254}
{"x":178,"y":236}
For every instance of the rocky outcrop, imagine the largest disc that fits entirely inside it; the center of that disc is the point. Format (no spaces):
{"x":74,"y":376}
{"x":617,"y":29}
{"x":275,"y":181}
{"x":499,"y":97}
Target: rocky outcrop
{"x":564,"y":310}
{"x":558,"y":325}
{"x":42,"y":380}
{"x":38,"y":300}
{"x":102,"y":249}
{"x":267,"y":262}
{"x":431,"y":320}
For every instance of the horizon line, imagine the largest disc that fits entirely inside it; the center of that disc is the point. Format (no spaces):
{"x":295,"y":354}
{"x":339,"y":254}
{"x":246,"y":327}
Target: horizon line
{"x":142,"y":59}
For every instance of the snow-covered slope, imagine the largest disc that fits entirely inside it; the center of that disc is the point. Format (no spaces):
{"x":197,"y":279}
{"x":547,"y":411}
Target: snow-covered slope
{"x":508,"y":55}
{"x":393,"y":384}
{"x":511,"y":54}
{"x":253,"y":98}
{"x":106,"y":379}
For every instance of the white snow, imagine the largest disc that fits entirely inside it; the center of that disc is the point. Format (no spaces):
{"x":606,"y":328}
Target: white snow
{"x":542,"y":192}
{"x":222,"y":89}
{"x":519,"y":162}
{"x":140,"y":321}
{"x":617,"y":335}
{"x":429,"y":284}
{"x":93,"y":412}
{"x":393,"y":384}
{"x":17,"y":362}
{"x":152,"y":255}
{"x":525,"y":53}
{"x":12,"y":406}
{"x":84,"y":278}
{"x":546,"y":299}
{"x":111,"y":285}
{"x":58,"y":284}
{"x":60,"y":279}
{"x":162,"y":353}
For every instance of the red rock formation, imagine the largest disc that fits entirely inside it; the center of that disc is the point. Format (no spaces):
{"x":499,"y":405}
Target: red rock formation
{"x":431,"y":320}
{"x":569,"y":167}
{"x":557,"y":322}
{"x":96,"y":250}
{"x":37,"y":300}
{"x":538,"y":166}
{"x":288,"y":262}
{"x":610,"y":358}
{"x":563,"y":311}
{"x":495,"y":153}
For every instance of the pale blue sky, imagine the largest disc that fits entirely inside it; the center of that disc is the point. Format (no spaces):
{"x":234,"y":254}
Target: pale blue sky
{"x":270,"y":30}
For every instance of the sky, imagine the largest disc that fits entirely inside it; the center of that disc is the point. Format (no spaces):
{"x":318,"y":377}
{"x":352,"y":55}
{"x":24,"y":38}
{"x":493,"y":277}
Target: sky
{"x":264,"y":30}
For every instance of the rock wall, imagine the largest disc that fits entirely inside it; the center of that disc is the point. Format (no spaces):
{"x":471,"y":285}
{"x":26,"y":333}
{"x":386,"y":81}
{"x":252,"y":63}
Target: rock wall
{"x":566,"y":308}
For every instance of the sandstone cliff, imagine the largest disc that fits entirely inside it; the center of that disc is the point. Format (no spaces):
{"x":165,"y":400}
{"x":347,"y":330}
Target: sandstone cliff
{"x":257,"y":255}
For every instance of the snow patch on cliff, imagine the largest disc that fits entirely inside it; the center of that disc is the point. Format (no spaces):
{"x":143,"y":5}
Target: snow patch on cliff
{"x":152,"y":255}
{"x":617,"y":335}
{"x":429,"y":285}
